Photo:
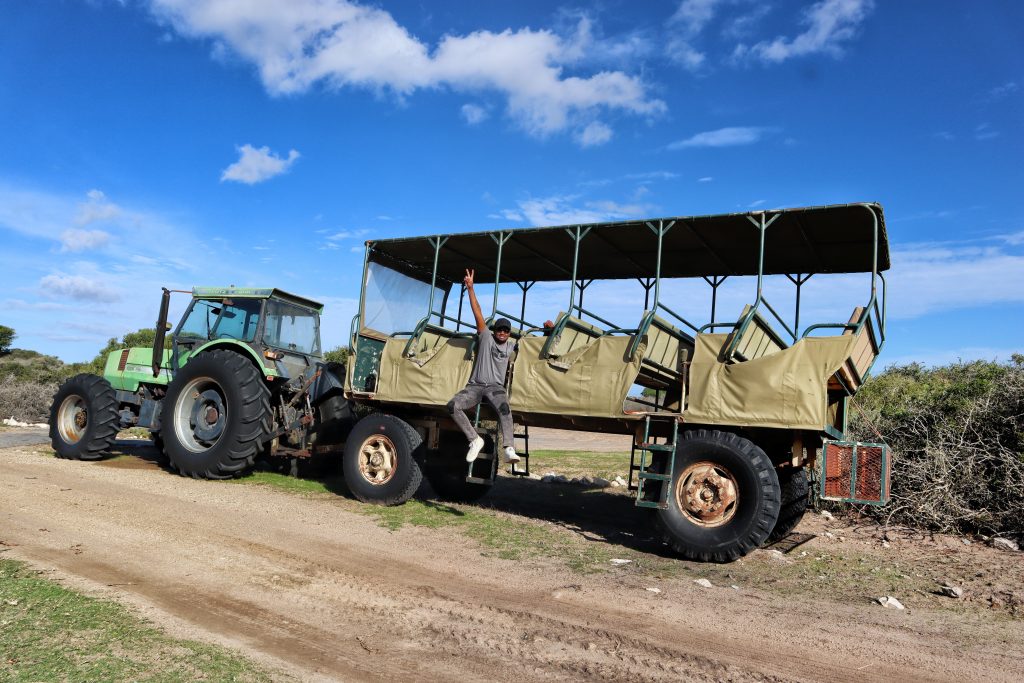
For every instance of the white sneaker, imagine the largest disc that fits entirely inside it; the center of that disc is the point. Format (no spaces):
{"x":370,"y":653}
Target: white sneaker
{"x":475,"y":446}
{"x":510,"y":455}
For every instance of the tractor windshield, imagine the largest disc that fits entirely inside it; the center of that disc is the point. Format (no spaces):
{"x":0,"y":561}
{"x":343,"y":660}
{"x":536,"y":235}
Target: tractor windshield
{"x":292,"y":328}
{"x":222,"y":319}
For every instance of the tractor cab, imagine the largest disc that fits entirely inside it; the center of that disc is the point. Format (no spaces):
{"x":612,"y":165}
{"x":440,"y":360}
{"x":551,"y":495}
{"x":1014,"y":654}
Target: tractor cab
{"x":281,"y":330}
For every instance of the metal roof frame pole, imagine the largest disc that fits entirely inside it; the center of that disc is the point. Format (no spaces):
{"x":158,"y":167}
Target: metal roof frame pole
{"x":462,"y":296}
{"x":798,"y":281}
{"x":577,"y":234}
{"x":500,"y":240}
{"x":525,"y":286}
{"x":660,"y":231}
{"x":353,"y":337}
{"x":435,"y":242}
{"x":583,"y":285}
{"x":762,"y":226}
{"x":647,"y":289}
{"x":715,"y":281}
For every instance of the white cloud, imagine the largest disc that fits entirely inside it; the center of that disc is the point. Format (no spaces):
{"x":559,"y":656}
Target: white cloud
{"x":256,"y":165}
{"x":562,"y":210}
{"x":705,"y":179}
{"x":723,"y":137}
{"x":830,"y":24}
{"x":98,"y":208}
{"x":59,"y":286}
{"x":927,"y":278}
{"x":984,"y":131}
{"x":348,"y":234}
{"x":1004,"y":90}
{"x":596,"y":133}
{"x":473,"y":114}
{"x":80,"y":240}
{"x":693,"y":15}
{"x":340,"y":43}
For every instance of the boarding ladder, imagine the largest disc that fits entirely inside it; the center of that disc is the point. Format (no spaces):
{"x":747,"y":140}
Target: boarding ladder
{"x":653,"y":461}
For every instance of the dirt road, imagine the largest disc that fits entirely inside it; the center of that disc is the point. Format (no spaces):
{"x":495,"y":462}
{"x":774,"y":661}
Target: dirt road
{"x":319,"y":592}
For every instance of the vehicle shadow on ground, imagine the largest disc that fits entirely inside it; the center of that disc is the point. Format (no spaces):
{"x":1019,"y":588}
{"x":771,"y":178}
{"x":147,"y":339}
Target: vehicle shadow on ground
{"x":595,"y":514}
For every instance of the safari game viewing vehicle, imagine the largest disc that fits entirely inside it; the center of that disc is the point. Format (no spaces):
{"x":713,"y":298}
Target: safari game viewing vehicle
{"x":735,"y":412}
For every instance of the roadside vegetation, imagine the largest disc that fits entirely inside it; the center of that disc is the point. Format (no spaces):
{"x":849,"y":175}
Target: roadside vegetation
{"x":50,"y":633}
{"x":957,"y":438}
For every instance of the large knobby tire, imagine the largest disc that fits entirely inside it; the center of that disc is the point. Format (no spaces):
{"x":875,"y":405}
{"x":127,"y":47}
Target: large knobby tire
{"x":215,"y":416}
{"x":447,"y":471}
{"x":724,"y":497}
{"x":796,"y":492}
{"x":380,"y":462}
{"x":83,"y":418}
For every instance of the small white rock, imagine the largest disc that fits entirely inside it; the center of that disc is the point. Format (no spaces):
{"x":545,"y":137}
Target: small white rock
{"x":952,"y":592}
{"x":1005,"y":544}
{"x":827,"y":515}
{"x":703,"y":582}
{"x":616,"y":484}
{"x":965,"y":541}
{"x":885,"y":544}
{"x":889,"y":601}
{"x":827,"y":534}
{"x":12,"y":603}
{"x":653,"y":590}
{"x":734,"y":587}
{"x":616,"y":560}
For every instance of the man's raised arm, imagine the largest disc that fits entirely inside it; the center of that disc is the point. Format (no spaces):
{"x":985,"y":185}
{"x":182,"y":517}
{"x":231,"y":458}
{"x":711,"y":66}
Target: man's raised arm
{"x":481,"y":324}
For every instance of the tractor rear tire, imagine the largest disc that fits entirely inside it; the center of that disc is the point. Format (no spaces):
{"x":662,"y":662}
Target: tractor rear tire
{"x":216,"y":415}
{"x":83,"y":418}
{"x":796,"y":492}
{"x":380,"y":462}
{"x":724,"y":497}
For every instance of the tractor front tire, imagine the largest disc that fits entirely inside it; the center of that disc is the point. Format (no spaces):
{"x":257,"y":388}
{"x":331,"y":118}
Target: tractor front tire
{"x":83,"y":418}
{"x":380,"y":462}
{"x":724,"y":497}
{"x":216,"y":414}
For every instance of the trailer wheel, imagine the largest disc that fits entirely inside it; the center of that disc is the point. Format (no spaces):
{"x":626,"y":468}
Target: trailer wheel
{"x":796,"y":492}
{"x":724,"y":497}
{"x":217,"y":412}
{"x":447,"y":472}
{"x":83,"y":418}
{"x":380,"y":460}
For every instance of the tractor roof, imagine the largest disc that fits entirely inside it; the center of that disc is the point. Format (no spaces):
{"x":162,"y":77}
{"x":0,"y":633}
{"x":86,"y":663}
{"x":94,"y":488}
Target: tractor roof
{"x":255,"y":293}
{"x":844,"y":238}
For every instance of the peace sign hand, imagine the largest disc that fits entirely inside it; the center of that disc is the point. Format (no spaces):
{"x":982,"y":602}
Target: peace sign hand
{"x":468,"y":280}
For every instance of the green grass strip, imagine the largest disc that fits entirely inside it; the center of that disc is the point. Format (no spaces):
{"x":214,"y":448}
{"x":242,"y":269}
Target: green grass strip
{"x":50,"y":633}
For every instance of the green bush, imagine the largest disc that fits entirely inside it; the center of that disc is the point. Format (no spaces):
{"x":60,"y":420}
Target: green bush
{"x":957,"y":440}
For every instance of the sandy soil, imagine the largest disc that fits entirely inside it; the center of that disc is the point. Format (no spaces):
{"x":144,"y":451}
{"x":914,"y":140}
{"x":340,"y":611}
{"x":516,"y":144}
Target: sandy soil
{"x":318,"y":592}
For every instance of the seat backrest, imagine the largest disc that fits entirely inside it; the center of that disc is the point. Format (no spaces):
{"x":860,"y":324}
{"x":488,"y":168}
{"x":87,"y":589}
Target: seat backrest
{"x":667,"y":347}
{"x":756,"y":340}
{"x":569,"y":334}
{"x":864,"y":351}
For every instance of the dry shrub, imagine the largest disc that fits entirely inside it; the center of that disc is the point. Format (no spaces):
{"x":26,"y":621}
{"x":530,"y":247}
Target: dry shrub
{"x":25,"y":401}
{"x":957,"y":440}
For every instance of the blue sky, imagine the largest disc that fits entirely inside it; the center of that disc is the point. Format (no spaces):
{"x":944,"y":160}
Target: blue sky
{"x":193,"y":142}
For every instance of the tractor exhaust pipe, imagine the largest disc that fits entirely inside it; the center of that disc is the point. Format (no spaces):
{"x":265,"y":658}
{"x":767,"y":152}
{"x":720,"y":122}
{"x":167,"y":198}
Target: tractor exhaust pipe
{"x":161,"y":332}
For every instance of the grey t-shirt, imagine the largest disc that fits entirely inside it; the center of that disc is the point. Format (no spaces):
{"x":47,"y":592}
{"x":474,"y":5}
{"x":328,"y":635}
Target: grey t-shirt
{"x":491,"y":360}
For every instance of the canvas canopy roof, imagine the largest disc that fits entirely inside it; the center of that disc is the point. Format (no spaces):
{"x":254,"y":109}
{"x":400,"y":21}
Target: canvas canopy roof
{"x":821,"y":239}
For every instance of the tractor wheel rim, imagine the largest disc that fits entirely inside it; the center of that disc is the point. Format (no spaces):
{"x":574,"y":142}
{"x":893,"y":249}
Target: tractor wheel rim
{"x":200,"y":414}
{"x":706,"y":493}
{"x":378,"y":459}
{"x":72,"y":419}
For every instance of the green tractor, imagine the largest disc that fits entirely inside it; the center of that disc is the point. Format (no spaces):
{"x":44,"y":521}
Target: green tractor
{"x":241,"y":376}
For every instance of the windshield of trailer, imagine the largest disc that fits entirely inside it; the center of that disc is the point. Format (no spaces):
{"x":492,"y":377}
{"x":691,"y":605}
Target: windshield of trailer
{"x":292,"y":328}
{"x":222,"y":319}
{"x":393,"y":302}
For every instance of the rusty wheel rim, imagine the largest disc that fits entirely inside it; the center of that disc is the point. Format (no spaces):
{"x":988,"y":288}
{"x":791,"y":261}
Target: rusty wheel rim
{"x":378,"y":459}
{"x":72,"y":419}
{"x":707,"y":494}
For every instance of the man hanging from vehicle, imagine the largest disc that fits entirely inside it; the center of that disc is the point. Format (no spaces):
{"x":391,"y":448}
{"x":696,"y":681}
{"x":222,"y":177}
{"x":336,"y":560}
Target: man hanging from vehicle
{"x":487,"y":381}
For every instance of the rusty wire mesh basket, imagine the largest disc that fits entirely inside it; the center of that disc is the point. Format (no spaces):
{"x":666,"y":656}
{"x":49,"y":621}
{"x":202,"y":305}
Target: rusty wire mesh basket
{"x":855,"y":472}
